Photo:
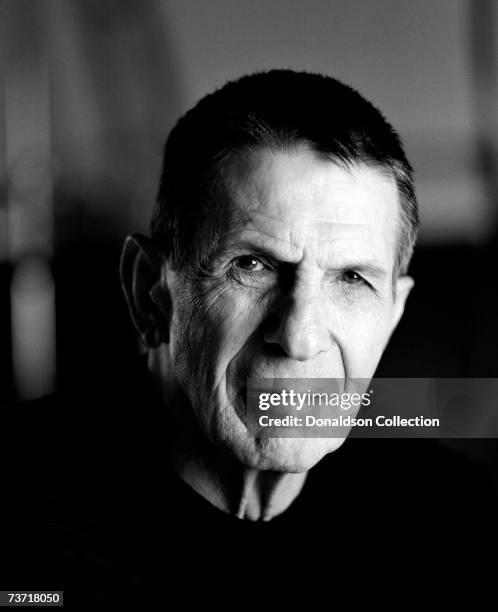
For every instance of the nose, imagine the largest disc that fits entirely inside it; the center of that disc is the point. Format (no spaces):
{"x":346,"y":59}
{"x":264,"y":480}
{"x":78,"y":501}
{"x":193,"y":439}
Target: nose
{"x":299,"y":327}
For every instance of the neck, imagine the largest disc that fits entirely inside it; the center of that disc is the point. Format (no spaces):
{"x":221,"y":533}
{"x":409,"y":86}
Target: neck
{"x":230,"y":486}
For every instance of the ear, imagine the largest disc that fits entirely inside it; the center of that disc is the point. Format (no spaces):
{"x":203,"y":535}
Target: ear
{"x":404,"y":284}
{"x":145,"y":289}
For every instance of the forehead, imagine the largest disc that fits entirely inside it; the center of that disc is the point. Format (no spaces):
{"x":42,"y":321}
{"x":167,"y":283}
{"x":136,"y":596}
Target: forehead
{"x":304,"y":203}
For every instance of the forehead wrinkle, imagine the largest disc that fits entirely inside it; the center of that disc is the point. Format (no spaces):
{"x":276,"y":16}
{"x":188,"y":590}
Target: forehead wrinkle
{"x":299,"y":232}
{"x":260,"y":239}
{"x":326,"y":230}
{"x":302,"y":226}
{"x":342,"y":253}
{"x":254,"y":191}
{"x":248,"y":197}
{"x":269,"y":233}
{"x":262,"y":214}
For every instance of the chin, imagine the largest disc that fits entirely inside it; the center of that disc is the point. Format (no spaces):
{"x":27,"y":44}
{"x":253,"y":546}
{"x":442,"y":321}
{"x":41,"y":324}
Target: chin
{"x":293,"y":455}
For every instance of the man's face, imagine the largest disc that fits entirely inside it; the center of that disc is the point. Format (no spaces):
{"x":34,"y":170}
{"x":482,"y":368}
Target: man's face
{"x":301,"y":287}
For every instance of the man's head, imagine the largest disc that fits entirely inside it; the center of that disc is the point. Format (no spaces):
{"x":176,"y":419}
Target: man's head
{"x":284,"y":226}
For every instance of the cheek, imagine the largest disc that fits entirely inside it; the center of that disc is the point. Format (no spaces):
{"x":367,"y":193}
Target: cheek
{"x":364,"y":340}
{"x":210,"y":325}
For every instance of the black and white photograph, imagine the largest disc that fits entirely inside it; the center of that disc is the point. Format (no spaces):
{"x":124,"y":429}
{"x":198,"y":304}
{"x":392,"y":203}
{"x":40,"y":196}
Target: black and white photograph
{"x":248,"y":303}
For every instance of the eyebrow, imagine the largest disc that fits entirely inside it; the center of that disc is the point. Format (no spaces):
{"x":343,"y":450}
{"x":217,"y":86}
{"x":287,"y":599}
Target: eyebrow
{"x":288,"y":254}
{"x":368,"y":268}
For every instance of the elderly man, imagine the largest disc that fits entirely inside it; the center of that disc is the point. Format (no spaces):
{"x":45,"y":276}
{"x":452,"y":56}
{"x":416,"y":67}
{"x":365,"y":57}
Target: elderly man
{"x":285,"y":222}
{"x":279,"y":248}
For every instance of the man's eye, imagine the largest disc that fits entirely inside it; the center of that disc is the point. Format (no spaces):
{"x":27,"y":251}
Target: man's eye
{"x":249,"y":263}
{"x":353,"y":278}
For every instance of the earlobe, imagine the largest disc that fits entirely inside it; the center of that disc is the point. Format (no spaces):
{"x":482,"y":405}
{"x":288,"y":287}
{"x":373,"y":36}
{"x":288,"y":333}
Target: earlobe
{"x":404,"y":284}
{"x":147,"y":297}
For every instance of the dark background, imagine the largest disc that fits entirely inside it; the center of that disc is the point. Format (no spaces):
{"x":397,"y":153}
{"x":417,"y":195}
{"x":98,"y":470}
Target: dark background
{"x":89,"y":90}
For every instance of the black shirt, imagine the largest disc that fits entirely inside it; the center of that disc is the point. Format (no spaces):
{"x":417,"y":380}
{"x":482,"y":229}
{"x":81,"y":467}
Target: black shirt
{"x":90,"y":506}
